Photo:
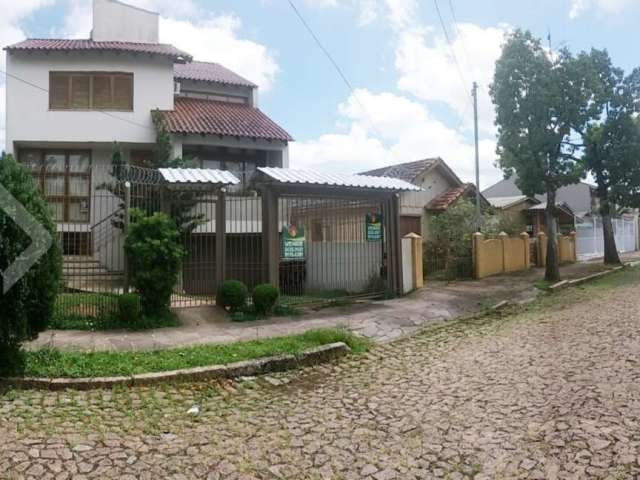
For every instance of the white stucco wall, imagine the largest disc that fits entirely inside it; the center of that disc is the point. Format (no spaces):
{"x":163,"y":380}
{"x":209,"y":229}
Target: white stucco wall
{"x":433,"y":185}
{"x":113,"y":20}
{"x":29,"y":118}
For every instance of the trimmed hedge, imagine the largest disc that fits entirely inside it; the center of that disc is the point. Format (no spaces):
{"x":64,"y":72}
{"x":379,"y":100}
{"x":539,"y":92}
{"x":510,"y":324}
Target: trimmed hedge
{"x":265,"y":297}
{"x":232,"y":295}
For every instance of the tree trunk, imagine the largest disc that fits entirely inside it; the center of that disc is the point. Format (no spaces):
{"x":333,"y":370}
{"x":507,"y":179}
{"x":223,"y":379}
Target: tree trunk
{"x":611,"y":256}
{"x":552,"y":272}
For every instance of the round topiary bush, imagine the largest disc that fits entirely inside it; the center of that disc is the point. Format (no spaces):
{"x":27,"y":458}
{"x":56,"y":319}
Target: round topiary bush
{"x":27,"y":305}
{"x":265,"y":297}
{"x":232,"y":295}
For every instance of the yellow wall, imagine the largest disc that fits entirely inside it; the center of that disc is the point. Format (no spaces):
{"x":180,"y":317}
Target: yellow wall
{"x":500,"y":255}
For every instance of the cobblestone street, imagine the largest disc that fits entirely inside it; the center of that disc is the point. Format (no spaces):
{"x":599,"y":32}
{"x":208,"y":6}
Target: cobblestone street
{"x":540,"y":394}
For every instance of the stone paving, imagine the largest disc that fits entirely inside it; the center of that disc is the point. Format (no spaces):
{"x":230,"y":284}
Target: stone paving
{"x":382,"y":321}
{"x":542,"y":394}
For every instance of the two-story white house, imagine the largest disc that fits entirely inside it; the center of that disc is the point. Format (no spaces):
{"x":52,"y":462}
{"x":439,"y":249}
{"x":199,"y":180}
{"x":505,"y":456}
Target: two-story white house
{"x":68,"y":101}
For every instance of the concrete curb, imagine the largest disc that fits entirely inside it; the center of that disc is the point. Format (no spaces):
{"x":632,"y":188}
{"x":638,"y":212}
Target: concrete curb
{"x":249,"y":368}
{"x":578,"y":281}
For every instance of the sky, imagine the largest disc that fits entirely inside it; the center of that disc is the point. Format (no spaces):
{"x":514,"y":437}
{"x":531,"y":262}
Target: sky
{"x":409,"y":78}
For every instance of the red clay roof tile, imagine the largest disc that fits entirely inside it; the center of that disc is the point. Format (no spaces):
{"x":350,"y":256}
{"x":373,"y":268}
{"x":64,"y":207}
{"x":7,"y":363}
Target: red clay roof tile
{"x":89,"y":45}
{"x":208,"y":117}
{"x":209,"y":72}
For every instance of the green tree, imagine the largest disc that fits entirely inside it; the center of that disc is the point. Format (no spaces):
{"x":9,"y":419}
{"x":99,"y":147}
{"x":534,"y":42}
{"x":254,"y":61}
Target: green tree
{"x":612,"y":144}
{"x":27,"y":306}
{"x":544,"y":102}
{"x":155,"y":255}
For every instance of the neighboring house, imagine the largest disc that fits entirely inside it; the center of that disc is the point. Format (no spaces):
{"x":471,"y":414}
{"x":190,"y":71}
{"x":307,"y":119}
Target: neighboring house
{"x":69,"y":100}
{"x":441,"y":188}
{"x":577,"y":208}
{"x":530,"y":212}
{"x":580,"y":198}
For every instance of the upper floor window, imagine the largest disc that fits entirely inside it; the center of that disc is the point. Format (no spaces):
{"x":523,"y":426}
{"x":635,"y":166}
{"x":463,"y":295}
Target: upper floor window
{"x":90,"y":91}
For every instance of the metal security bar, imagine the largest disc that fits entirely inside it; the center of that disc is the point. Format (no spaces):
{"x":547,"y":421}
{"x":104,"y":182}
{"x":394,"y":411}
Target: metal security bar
{"x":330,"y":247}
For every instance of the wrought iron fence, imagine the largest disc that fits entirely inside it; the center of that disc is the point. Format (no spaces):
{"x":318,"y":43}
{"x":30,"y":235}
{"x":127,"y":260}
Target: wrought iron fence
{"x":439,"y":263}
{"x":331,"y":247}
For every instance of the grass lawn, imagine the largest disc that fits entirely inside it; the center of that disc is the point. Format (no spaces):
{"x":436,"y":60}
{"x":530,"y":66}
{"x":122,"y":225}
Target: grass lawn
{"x":54,"y":363}
{"x":98,"y":311}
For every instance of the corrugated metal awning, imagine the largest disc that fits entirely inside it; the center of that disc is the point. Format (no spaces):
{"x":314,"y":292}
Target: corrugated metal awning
{"x":198,"y":176}
{"x":309,"y":177}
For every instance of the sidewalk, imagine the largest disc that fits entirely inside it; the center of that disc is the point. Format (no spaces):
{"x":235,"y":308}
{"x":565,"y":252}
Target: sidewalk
{"x":381,"y":321}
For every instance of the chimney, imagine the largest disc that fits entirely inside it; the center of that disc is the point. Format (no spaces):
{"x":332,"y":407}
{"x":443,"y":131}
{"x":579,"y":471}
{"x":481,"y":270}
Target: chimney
{"x":116,"y":21}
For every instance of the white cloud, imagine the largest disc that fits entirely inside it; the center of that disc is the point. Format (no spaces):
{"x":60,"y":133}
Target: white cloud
{"x":212,"y":38}
{"x":217,"y":39}
{"x":611,"y":7}
{"x":385,"y":128}
{"x":11,"y":32}
{"x":428,"y":70}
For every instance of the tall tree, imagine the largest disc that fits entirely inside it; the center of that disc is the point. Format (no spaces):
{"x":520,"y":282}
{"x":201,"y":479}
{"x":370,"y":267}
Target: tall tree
{"x":612,"y":144}
{"x":543,"y":100}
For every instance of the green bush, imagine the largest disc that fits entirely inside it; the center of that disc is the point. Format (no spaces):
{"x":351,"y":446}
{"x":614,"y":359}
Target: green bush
{"x":27,"y":306}
{"x":129,"y":310}
{"x":232,"y":295}
{"x":265,"y":297}
{"x":154,"y":252}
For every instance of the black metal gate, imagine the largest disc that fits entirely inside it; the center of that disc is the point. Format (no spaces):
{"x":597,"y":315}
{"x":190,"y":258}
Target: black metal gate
{"x":330,"y":247}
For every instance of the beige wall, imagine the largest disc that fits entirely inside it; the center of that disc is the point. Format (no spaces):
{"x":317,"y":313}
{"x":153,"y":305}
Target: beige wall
{"x":433,"y":184}
{"x":566,"y":249}
{"x":504,"y":254}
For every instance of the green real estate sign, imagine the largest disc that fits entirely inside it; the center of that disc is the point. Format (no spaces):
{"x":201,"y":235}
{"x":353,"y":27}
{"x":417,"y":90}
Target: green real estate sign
{"x":292,"y":242}
{"x":374,"y":227}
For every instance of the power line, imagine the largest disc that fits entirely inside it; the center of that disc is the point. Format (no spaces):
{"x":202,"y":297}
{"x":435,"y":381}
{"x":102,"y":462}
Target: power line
{"x":324,"y":50}
{"x":108,"y":114}
{"x":342,"y":75}
{"x":453,"y":53}
{"x":457,"y":29}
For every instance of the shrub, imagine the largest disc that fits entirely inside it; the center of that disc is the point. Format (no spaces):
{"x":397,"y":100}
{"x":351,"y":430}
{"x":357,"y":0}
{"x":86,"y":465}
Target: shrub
{"x":129,"y":310}
{"x":232,"y":294}
{"x":28,"y":305}
{"x":154,"y":252}
{"x":265,"y":297}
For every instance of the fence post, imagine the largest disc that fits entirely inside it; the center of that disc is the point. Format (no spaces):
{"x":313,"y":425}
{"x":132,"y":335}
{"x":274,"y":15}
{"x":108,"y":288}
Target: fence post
{"x":127,"y":206}
{"x":504,"y":238}
{"x":477,"y":255}
{"x":527,"y":249}
{"x":542,"y":250}
{"x":574,"y":248}
{"x":270,"y":237}
{"x":416,"y":259}
{"x":221,"y":236}
{"x":391,"y":219}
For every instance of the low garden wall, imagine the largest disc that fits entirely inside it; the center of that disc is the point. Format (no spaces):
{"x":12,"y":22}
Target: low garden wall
{"x":504,"y":254}
{"x":512,"y":254}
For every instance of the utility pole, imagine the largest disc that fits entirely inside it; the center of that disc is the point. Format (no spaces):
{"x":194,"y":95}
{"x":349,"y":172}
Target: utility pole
{"x":474,"y":93}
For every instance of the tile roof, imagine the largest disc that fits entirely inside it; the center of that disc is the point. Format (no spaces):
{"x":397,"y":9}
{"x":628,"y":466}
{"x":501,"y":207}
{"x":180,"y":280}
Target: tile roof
{"x":446,"y":199}
{"x":405,"y":171}
{"x":209,"y":72}
{"x":294,"y":176}
{"x":198,"y":176}
{"x":66,"y":45}
{"x":209,"y":117}
{"x":506,"y":202}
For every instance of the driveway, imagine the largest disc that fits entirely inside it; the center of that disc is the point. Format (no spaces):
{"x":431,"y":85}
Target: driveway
{"x":550,"y":393}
